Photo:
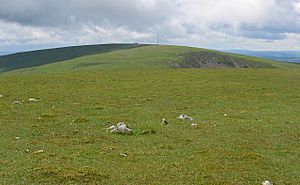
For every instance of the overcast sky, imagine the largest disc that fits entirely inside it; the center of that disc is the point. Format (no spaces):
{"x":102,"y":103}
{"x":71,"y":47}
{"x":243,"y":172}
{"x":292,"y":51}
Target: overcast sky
{"x":216,"y":24}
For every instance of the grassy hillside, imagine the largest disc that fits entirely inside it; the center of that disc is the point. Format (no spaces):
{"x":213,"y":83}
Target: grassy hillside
{"x":248,"y":119}
{"x":157,"y":57}
{"x":257,"y":140}
{"x":42,"y":57}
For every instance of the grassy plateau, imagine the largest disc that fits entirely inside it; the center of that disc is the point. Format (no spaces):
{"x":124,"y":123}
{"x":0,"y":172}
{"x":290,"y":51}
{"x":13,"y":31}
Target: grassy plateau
{"x":249,"y":120}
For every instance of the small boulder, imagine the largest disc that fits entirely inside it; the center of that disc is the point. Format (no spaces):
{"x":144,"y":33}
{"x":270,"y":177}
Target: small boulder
{"x":194,"y":125}
{"x":17,"y":102}
{"x":123,"y":154}
{"x":33,"y":100}
{"x":184,"y":117}
{"x":164,"y":122}
{"x":120,"y":128}
{"x":38,"y":152}
{"x":75,"y":131}
{"x":267,"y":182}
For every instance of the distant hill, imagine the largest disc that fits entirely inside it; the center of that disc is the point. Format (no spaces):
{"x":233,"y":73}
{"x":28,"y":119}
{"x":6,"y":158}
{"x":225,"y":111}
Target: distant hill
{"x":48,"y":56}
{"x":288,"y":56}
{"x":128,"y":56}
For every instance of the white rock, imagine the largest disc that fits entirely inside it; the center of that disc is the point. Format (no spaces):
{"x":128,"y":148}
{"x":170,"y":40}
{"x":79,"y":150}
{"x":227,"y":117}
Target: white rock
{"x":195,"y":125}
{"x":164,"y":122}
{"x":17,"y":102}
{"x":17,"y":138}
{"x":225,"y":115}
{"x":38,"y":152}
{"x":184,"y":116}
{"x":33,"y":100}
{"x":123,"y":154}
{"x":266,"y":182}
{"x":1,"y":96}
{"x":120,"y":128}
{"x":111,"y":127}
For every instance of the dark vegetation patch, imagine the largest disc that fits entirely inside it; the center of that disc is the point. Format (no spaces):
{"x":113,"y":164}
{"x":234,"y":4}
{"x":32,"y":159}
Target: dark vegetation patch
{"x":148,"y":132}
{"x":48,"y":56}
{"x":208,"y":59}
{"x":54,"y":174}
{"x":90,"y":64}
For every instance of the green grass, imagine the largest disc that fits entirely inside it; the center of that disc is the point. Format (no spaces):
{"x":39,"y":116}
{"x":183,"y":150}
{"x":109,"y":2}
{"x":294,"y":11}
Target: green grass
{"x":258,"y":140}
{"x":147,"y":57}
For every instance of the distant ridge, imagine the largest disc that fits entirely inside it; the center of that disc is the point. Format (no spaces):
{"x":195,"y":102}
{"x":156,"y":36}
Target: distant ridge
{"x":126,"y":57}
{"x":48,"y":56}
{"x":288,"y":56}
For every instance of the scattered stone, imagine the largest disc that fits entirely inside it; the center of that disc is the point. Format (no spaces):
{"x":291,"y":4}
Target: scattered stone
{"x":17,"y":102}
{"x":225,"y":115}
{"x":164,"y":122}
{"x":75,"y":131}
{"x":17,"y":138}
{"x":120,"y":128}
{"x":1,"y":96}
{"x":123,"y":154}
{"x":184,"y":116}
{"x":53,"y":107}
{"x":195,"y":125}
{"x":33,"y":100}
{"x":27,"y":151}
{"x":38,"y":152}
{"x":266,"y":182}
{"x":123,"y":127}
{"x":113,"y":127}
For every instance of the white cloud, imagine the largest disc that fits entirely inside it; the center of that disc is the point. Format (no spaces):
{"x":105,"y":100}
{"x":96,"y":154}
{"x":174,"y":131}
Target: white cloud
{"x":14,"y":33}
{"x":297,"y":7}
{"x":17,"y":34}
{"x":265,"y":24}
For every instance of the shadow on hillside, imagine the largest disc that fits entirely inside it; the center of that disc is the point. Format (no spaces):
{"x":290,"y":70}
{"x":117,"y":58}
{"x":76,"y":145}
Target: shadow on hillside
{"x":48,"y":56}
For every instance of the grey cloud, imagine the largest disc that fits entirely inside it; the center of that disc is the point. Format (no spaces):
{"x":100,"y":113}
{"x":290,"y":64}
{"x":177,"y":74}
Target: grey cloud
{"x":57,"y":13}
{"x":141,"y":20}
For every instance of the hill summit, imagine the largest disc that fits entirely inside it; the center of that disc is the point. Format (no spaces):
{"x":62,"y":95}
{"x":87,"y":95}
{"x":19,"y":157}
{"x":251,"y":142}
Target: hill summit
{"x":128,"y":56}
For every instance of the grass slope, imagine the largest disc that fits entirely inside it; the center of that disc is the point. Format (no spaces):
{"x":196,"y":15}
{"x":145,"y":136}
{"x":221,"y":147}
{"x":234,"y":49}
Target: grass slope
{"x":258,"y":140}
{"x":80,"y":98}
{"x":156,"y":57}
{"x":42,"y":57}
